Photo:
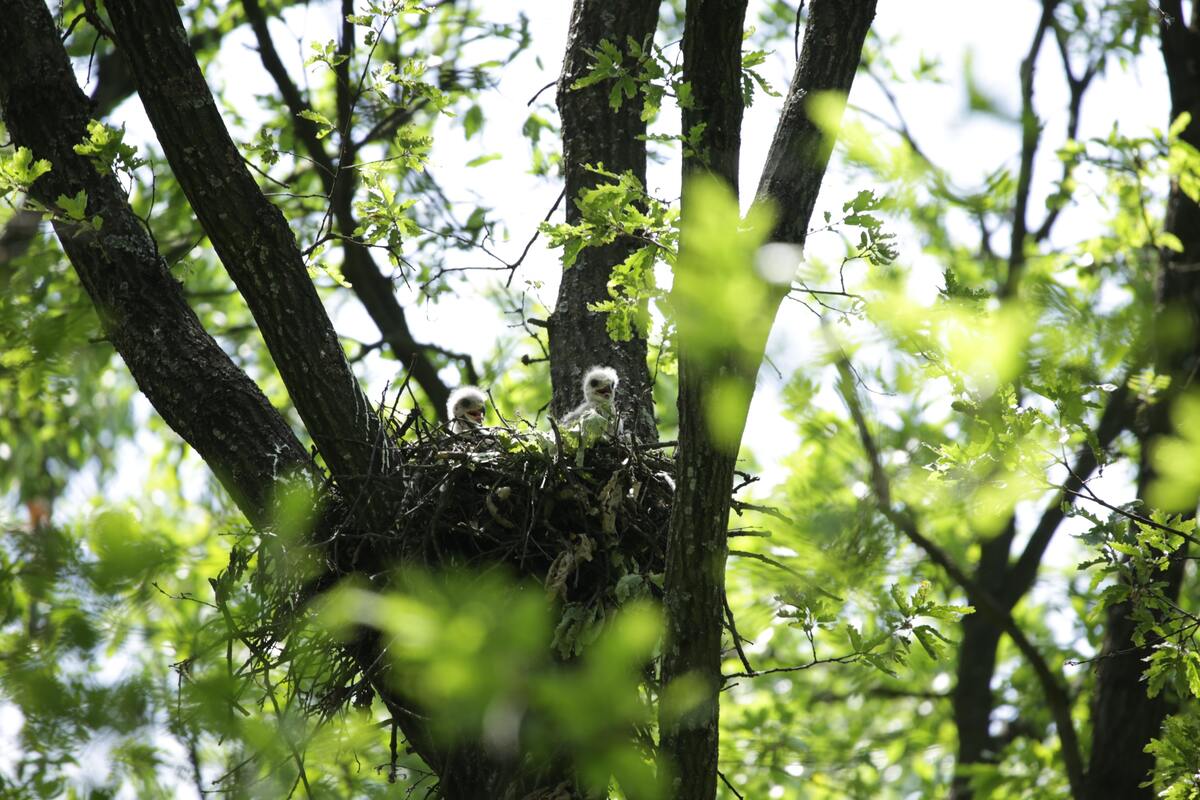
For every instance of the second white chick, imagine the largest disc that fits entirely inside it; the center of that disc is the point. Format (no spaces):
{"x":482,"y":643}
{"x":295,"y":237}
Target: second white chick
{"x":599,"y":394}
{"x":465,"y":409}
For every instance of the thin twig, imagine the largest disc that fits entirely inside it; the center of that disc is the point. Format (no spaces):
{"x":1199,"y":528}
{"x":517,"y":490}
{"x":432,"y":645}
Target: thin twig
{"x":1056,"y":695}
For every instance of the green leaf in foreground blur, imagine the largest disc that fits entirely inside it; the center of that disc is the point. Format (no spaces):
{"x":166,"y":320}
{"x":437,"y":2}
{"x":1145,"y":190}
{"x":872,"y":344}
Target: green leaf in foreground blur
{"x":441,"y":629}
{"x":1177,"y":459}
{"x":723,"y":305}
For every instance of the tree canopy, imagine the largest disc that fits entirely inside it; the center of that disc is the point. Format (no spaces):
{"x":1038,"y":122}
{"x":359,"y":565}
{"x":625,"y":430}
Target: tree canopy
{"x":897,"y":499}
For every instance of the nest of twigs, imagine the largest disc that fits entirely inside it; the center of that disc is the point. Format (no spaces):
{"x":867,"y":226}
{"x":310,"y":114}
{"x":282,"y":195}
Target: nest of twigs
{"x":587,"y":520}
{"x":578,"y":522}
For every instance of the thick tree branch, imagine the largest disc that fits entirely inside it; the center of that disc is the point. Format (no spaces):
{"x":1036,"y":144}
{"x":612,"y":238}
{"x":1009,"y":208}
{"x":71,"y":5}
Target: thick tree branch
{"x":1052,"y":686}
{"x":250,"y":236}
{"x":800,"y":150}
{"x":184,"y":373}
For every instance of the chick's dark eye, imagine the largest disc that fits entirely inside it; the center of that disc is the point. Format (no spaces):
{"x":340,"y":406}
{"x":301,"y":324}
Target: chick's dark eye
{"x":593,"y":384}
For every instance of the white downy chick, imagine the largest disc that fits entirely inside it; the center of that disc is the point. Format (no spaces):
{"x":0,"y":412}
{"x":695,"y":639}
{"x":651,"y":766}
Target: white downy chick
{"x":596,"y":415}
{"x":465,"y":409}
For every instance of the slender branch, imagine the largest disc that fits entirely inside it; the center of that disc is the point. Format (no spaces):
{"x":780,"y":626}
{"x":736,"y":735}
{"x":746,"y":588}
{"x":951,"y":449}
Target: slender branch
{"x":729,"y":785}
{"x":367,"y":281}
{"x":1030,"y":133}
{"x":1077,"y":87}
{"x":1052,"y":686}
{"x":1138,"y":518}
{"x":250,"y":235}
{"x":306,"y":130}
{"x":846,"y":658}
{"x":737,"y":637}
{"x":765,"y":560}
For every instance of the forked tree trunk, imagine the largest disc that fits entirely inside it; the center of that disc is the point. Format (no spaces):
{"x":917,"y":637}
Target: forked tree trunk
{"x":219,"y":411}
{"x":791,"y":180}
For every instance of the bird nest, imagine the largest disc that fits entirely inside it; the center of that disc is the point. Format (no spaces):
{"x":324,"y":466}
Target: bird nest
{"x":578,"y":521}
{"x":587,"y":522}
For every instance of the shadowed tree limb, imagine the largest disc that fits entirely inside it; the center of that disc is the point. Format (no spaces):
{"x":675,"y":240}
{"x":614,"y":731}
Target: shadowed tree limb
{"x":251,"y":237}
{"x":373,"y":289}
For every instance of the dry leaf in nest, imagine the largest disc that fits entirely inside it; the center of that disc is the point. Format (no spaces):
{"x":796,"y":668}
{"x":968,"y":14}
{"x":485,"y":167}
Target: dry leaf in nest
{"x":610,"y":501}
{"x":582,"y":550}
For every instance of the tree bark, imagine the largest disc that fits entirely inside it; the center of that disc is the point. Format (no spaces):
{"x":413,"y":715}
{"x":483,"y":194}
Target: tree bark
{"x":593,"y":134}
{"x":696,"y":551}
{"x":795,"y":166}
{"x":182,"y":370}
{"x":252,"y":239}
{"x":1124,"y":718}
{"x":972,"y":696}
{"x":796,"y":163}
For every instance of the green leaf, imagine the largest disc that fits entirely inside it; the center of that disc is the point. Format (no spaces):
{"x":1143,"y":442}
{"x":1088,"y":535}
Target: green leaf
{"x":856,"y":643}
{"x":899,"y":599}
{"x":105,"y":147}
{"x":19,"y":170}
{"x":325,"y":127}
{"x":931,"y":641}
{"x":473,"y":121}
{"x":75,"y":207}
{"x":480,"y":160}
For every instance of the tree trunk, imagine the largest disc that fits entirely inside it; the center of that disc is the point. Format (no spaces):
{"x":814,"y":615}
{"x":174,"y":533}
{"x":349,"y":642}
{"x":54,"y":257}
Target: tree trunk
{"x":696,"y":549}
{"x":972,"y":697}
{"x":593,"y":133}
{"x":1124,"y":718}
